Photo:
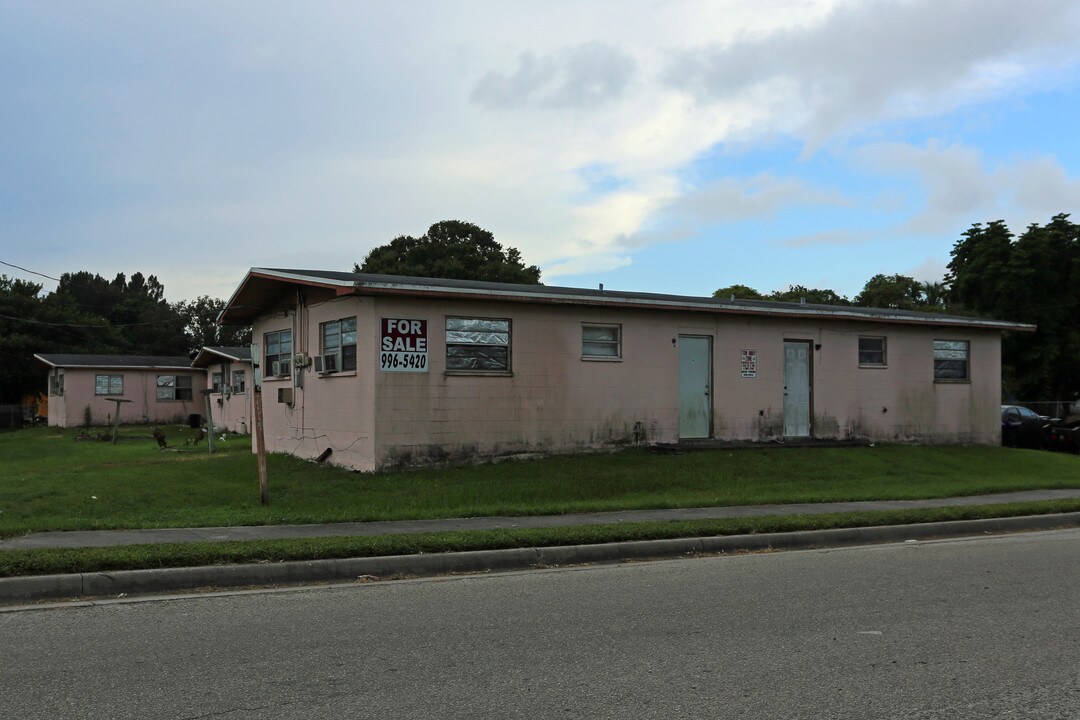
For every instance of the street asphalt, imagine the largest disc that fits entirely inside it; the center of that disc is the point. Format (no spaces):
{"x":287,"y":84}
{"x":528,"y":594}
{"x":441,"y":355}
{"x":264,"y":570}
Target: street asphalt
{"x":97,"y":584}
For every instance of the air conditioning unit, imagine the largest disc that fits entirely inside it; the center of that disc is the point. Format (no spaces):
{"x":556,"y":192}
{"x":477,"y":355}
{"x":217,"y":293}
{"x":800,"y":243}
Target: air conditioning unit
{"x":285,"y":395}
{"x":329,"y":363}
{"x":301,"y":360}
{"x":279,"y":369}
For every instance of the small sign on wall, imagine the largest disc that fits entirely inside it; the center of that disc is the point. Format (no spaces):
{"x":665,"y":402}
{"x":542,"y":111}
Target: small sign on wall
{"x":749,"y":363}
{"x":404,"y":345}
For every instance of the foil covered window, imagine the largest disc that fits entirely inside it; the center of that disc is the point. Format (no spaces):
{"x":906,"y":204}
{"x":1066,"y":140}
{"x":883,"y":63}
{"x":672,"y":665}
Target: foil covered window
{"x":951,"y":360}
{"x":478,"y":344}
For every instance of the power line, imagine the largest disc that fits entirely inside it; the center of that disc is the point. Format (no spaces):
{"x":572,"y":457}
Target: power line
{"x":99,"y":327}
{"x":32,"y":272}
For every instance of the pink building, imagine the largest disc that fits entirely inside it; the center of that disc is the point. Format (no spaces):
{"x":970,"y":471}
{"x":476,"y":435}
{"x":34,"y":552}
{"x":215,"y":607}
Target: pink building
{"x":159,"y":389}
{"x":388,"y":371}
{"x":228,"y":376}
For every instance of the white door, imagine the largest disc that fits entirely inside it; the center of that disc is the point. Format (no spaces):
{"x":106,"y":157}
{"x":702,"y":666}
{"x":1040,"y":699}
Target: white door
{"x":695,"y":377}
{"x":796,"y":389}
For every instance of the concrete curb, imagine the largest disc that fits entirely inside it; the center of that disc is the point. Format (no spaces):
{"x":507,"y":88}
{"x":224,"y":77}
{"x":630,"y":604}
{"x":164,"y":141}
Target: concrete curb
{"x":17,"y":590}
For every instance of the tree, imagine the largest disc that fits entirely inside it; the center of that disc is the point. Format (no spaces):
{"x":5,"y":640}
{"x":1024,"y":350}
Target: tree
{"x":813,"y":296}
{"x":201,"y":326}
{"x":739,"y":292}
{"x":451,"y":249}
{"x":135,"y":308}
{"x":899,"y":292}
{"x":1034,"y":278}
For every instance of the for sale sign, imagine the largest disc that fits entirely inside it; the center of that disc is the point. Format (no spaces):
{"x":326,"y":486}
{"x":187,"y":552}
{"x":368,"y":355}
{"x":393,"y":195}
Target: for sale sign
{"x":404,"y":346}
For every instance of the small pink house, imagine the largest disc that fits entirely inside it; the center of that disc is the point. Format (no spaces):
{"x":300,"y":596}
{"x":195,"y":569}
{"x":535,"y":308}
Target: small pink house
{"x":159,"y":389}
{"x":388,"y":371}
{"x":228,"y":376}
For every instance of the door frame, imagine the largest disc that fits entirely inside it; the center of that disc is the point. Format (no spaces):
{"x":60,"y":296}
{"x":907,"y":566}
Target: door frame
{"x":708,"y":385}
{"x":809,"y":379}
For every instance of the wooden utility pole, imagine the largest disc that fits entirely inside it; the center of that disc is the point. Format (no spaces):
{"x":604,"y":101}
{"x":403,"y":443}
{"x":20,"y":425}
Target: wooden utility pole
{"x":260,"y":445}
{"x":209,"y":421}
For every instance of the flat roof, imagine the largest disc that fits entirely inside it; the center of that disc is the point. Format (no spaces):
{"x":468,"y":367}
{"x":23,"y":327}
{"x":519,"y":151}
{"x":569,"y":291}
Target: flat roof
{"x":261,"y":284}
{"x":129,"y":362}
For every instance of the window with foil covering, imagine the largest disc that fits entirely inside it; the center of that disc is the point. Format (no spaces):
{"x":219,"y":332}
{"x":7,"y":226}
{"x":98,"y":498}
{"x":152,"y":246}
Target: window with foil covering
{"x":601,"y":341}
{"x":174,"y":387}
{"x":951,"y":360}
{"x":477,"y":345}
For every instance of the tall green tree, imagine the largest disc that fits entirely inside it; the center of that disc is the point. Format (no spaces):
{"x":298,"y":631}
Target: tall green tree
{"x":134,"y":307}
{"x":201,"y":326}
{"x":899,"y":292}
{"x":451,"y":249}
{"x":1033,"y":278}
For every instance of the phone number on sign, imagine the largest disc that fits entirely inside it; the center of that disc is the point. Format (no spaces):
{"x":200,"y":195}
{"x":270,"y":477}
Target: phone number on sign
{"x":402,"y":361}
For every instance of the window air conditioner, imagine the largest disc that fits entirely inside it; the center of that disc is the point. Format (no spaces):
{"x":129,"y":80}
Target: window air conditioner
{"x":301,"y":360}
{"x":329,"y":363}
{"x":279,"y":369}
{"x":285,"y":395}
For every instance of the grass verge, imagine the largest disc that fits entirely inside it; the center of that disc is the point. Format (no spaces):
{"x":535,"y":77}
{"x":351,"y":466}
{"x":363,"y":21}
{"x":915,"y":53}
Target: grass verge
{"x":52,"y":482}
{"x":44,"y":562}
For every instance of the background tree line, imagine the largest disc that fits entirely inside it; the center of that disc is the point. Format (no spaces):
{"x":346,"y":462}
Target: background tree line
{"x":1033,"y":278}
{"x":90,"y":314}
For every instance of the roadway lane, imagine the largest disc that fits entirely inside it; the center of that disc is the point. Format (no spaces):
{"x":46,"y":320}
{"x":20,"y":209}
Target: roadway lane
{"x":982,"y":628}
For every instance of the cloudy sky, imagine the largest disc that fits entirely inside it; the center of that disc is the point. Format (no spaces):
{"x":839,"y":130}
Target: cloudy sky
{"x":655,"y":146}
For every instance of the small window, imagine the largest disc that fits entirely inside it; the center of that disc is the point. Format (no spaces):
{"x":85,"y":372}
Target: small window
{"x":108,"y":384}
{"x":278,"y":350}
{"x":340,"y":335}
{"x":601,"y":341}
{"x":872,"y":352}
{"x":477,"y":344}
{"x":174,"y":387}
{"x":951,"y":360}
{"x":56,"y":383}
{"x":238,"y":381}
{"x":215,"y":381}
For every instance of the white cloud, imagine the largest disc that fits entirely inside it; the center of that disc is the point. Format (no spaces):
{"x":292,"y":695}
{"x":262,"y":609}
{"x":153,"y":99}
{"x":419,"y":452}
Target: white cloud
{"x":870,"y":61}
{"x":963,"y":186}
{"x":577,"y":77}
{"x":828,"y":237}
{"x":247,"y":134}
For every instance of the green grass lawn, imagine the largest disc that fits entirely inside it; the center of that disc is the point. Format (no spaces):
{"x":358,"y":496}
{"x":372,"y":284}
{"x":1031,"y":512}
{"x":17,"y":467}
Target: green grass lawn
{"x":50,"y":481}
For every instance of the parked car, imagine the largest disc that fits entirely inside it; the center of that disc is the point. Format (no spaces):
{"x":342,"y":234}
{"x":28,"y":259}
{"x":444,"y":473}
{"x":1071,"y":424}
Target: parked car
{"x":1024,"y":428}
{"x":1064,"y":436}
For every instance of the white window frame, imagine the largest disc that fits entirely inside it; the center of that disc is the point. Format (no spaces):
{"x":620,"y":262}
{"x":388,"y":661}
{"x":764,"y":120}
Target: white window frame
{"x":284,"y":359}
{"x":590,"y":345}
{"x":241,"y":386}
{"x":884,"y":352}
{"x":340,"y":334}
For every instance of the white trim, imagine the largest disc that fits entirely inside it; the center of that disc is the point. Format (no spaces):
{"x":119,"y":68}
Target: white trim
{"x":622,"y":300}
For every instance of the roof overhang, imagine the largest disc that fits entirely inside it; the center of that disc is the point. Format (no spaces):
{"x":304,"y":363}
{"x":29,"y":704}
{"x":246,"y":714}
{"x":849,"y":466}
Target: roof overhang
{"x":107,"y":365}
{"x":261,"y":283}
{"x":208,"y":356}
